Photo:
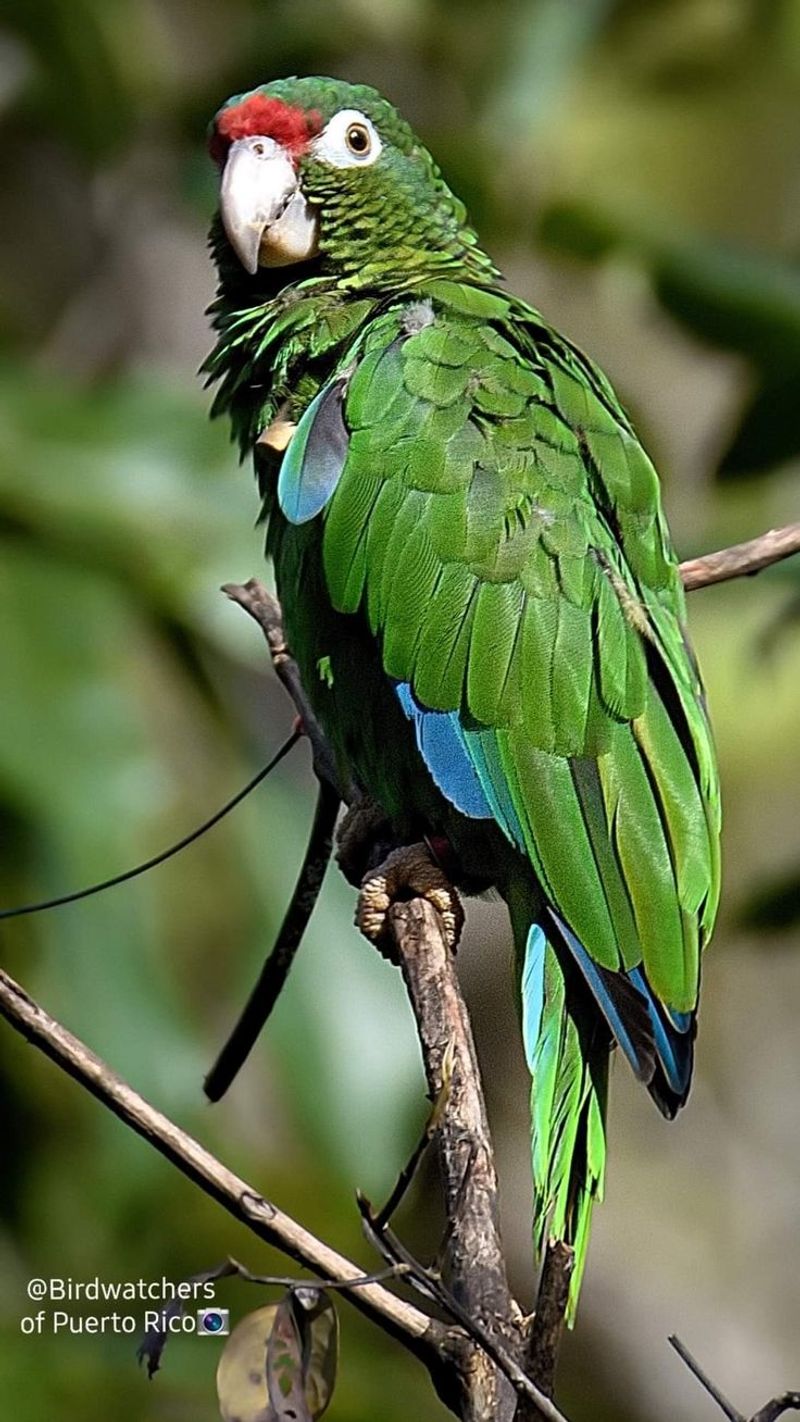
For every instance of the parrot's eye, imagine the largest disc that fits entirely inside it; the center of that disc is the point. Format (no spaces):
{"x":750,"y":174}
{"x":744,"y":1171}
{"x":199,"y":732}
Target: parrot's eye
{"x":358,"y":139}
{"x":349,"y":140}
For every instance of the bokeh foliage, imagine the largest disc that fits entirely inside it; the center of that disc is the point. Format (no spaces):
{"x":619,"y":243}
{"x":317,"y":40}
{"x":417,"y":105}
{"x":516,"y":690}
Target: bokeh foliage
{"x":633,"y":165}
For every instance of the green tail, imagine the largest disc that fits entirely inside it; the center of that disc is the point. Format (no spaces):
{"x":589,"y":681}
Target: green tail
{"x":567,"y":1050}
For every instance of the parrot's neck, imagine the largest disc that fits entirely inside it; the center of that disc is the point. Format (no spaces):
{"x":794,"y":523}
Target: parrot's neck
{"x":274,"y":352}
{"x":280,"y":332}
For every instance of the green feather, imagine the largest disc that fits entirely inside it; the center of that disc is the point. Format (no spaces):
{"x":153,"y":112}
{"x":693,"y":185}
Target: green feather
{"x":440,"y":668}
{"x":494,"y":636}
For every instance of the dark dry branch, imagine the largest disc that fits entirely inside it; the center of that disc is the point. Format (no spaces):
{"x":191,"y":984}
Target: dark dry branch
{"x":480,"y":1403}
{"x":477,"y":1267}
{"x":265,"y":610}
{"x":475,"y":1258}
{"x":547,"y":1325}
{"x":743,"y":559}
{"x":786,"y":1402}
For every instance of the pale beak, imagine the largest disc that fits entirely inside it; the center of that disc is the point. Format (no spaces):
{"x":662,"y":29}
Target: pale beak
{"x":265,"y":215}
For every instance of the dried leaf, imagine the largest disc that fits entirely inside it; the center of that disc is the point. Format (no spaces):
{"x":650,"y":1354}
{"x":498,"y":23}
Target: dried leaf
{"x":321,"y":1350}
{"x":279,"y":1364}
{"x":285,"y":1363}
{"x":242,"y":1369}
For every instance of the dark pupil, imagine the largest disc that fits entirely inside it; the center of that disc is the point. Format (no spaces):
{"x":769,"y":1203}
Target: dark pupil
{"x":357,"y":139}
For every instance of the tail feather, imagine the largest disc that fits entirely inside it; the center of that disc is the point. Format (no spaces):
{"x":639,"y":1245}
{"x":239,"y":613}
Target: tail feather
{"x":568,"y":1061}
{"x":573,"y":1011}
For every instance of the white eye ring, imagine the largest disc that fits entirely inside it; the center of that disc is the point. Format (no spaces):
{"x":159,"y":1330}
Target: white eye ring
{"x":349,"y":140}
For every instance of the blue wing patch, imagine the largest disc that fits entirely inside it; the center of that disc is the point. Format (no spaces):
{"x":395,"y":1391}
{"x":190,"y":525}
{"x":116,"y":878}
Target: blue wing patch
{"x":440,"y":741}
{"x":464,"y":764}
{"x":313,"y":463}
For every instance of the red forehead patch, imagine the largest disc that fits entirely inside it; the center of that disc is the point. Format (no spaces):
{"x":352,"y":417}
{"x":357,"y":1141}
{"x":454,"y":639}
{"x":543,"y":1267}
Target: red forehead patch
{"x":259,"y":114}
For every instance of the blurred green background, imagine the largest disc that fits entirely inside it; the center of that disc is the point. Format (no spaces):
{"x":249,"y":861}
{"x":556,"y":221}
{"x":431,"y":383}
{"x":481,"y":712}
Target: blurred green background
{"x":633,"y":167}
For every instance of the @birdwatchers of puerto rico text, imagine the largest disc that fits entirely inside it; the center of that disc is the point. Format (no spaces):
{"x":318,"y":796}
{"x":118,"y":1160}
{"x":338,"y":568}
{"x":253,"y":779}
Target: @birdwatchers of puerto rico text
{"x":157,"y":1294}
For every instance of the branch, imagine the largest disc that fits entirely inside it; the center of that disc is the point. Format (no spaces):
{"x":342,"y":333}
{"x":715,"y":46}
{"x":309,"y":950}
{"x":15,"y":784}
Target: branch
{"x":786,"y":1402}
{"x":266,"y":611}
{"x":475,"y":1256}
{"x":547,"y":1327}
{"x":429,"y":1284}
{"x":422,"y":1335}
{"x":743,"y":559}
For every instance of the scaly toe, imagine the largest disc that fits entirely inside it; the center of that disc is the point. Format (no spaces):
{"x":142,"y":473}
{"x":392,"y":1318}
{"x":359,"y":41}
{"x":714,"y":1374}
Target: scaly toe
{"x":408,"y":873}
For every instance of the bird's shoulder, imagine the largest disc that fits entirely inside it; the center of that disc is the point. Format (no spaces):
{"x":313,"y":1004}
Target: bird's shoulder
{"x":466,"y":391}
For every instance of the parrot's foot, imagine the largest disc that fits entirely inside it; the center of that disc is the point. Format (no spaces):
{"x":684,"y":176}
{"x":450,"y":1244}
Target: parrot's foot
{"x":407,"y":873}
{"x":363,"y":840}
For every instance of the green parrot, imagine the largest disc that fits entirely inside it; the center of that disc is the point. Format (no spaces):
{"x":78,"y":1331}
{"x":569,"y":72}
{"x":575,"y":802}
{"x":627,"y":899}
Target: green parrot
{"x":480,"y":591}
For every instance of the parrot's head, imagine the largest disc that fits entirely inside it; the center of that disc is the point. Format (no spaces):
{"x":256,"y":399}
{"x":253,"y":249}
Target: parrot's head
{"x":317,"y":168}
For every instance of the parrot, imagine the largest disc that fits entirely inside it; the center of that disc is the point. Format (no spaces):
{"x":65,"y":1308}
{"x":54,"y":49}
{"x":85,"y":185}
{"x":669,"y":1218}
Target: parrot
{"x":480,"y":591}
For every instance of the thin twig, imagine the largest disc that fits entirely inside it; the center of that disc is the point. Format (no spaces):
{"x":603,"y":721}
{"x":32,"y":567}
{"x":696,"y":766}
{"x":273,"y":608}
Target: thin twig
{"x":266,"y":611}
{"x":419,"y":1333}
{"x":233,"y":1267}
{"x":409,"y":1170}
{"x":786,"y":1402}
{"x":732,"y":1413}
{"x":743,"y":559}
{"x":42,"y":905}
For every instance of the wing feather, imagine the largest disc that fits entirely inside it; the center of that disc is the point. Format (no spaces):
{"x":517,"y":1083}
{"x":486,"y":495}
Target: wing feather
{"x":499,"y":521}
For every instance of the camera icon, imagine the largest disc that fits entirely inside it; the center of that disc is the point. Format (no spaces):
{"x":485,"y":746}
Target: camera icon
{"x":213,"y":1322}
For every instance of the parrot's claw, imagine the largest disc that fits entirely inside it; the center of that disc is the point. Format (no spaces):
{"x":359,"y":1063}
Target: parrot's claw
{"x":405,"y":874}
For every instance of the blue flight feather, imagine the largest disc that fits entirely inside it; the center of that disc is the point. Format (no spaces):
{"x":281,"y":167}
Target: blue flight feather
{"x":532,"y":985}
{"x":600,"y":992}
{"x":674,"y":1049}
{"x":440,"y":743}
{"x":313,"y":462}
